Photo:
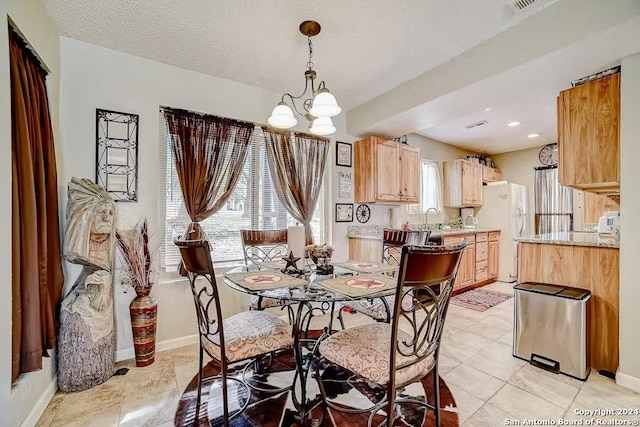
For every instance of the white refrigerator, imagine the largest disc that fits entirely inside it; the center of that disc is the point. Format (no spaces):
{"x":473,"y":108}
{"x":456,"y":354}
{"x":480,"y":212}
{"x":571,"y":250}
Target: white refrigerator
{"x":505,"y":206}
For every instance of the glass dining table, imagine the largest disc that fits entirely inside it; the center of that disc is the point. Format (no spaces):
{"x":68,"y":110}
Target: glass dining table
{"x":312,"y":298}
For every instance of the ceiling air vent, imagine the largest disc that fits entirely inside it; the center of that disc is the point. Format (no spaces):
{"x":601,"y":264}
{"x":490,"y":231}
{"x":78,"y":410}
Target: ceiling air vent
{"x":521,"y":4}
{"x":476,"y":124}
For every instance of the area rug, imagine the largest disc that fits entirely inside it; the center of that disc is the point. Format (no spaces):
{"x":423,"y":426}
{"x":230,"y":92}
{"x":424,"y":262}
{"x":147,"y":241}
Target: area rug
{"x":277,"y":410}
{"x":480,"y":299}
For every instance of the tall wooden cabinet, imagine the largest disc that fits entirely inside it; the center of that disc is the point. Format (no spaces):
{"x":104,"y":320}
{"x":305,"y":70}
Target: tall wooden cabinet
{"x":386,"y":172}
{"x":462,"y":184}
{"x":589,"y":136}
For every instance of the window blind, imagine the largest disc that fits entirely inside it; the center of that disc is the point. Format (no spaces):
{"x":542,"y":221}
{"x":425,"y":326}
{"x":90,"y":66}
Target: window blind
{"x":253,"y":205}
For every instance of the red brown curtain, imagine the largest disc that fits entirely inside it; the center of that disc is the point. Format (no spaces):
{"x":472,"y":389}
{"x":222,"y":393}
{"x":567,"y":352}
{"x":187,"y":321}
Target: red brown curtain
{"x":37,"y":278}
{"x":296,"y":165}
{"x":209,"y":154}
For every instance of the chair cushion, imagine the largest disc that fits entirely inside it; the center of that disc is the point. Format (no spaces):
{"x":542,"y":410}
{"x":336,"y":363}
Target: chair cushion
{"x":267,"y":303}
{"x":373,"y":308}
{"x":249,"y":334}
{"x":364,"y":350}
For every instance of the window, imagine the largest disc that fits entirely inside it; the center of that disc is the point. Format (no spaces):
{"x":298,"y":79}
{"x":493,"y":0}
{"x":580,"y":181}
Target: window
{"x":554,"y":202}
{"x":430,"y":188}
{"x":253,"y":205}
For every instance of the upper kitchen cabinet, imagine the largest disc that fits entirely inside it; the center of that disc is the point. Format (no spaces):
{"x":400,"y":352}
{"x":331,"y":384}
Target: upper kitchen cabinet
{"x":386,"y":172}
{"x":589,"y":136}
{"x":462,"y":184}
{"x":490,"y":174}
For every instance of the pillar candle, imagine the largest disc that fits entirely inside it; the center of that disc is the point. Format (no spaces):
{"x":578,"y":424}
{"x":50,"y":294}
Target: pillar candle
{"x":296,"y":242}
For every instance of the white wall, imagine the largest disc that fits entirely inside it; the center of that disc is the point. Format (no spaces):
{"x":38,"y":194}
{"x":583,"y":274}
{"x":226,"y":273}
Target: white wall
{"x":517,"y":167}
{"x":95,"y":77}
{"x":32,"y":389}
{"x":629,"y":369}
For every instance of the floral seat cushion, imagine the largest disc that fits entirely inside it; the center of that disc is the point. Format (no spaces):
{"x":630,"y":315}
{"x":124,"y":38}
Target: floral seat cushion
{"x":258,"y":303}
{"x":364,"y":350}
{"x":374,"y":308}
{"x":249,"y":334}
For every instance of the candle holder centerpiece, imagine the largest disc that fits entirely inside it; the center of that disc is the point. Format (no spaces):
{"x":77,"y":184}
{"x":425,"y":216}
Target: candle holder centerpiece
{"x":321,"y":257}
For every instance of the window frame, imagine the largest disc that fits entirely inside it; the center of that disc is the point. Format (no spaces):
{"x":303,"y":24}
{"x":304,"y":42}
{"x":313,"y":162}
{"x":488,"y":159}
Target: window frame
{"x":168,"y":270}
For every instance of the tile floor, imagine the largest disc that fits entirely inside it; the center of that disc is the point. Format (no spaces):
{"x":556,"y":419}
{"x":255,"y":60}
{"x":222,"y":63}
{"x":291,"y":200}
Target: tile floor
{"x":488,"y":383}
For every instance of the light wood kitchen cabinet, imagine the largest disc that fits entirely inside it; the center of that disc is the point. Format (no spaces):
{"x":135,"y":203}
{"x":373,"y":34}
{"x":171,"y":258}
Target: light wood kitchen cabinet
{"x":493,"y":258}
{"x":490,"y":174}
{"x":589,"y":136}
{"x":467,"y":269}
{"x":589,"y":207}
{"x":462,"y":184}
{"x":369,"y":250}
{"x":409,"y":174}
{"x":386,"y":172}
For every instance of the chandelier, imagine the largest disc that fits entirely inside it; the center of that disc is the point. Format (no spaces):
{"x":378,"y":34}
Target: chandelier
{"x":319,"y":105}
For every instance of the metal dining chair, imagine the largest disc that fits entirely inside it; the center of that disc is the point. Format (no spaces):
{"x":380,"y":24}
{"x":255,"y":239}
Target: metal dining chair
{"x":259,"y":246}
{"x":393,"y":357}
{"x":380,"y":309}
{"x":242,"y":337}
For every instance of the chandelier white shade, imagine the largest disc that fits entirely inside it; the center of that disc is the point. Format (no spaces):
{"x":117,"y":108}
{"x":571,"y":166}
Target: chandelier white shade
{"x":282,"y":117}
{"x":318,"y":106}
{"x":322,"y":126}
{"x":325,"y":105}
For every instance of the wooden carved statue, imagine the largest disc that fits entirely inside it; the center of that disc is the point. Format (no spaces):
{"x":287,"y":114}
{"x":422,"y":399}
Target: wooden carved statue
{"x":86,"y":346}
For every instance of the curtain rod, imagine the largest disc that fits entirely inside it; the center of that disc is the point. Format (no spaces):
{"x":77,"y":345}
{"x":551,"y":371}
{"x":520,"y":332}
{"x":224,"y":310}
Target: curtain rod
{"x":541,"y":168}
{"x":260,"y":125}
{"x":165,"y":107}
{"x":15,"y":32}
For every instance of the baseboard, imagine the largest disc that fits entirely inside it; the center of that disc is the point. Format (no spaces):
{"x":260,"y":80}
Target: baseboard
{"x":128,"y":353}
{"x":628,"y":381}
{"x":40,"y":406}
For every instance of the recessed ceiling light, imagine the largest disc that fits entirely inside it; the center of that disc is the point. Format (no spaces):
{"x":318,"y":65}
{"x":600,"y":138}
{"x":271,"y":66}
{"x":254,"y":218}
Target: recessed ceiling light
{"x":513,"y":124}
{"x":487,"y":109}
{"x":533,"y":135}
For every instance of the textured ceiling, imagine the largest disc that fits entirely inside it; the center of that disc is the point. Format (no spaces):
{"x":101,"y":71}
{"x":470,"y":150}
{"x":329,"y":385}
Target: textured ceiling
{"x":366,"y":47}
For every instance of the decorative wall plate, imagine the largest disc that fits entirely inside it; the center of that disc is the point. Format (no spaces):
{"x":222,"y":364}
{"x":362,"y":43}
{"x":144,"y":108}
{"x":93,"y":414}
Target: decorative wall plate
{"x":363,"y":213}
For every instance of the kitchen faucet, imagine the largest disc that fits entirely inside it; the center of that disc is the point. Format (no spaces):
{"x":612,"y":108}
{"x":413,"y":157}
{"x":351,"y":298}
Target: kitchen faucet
{"x":426,"y":218}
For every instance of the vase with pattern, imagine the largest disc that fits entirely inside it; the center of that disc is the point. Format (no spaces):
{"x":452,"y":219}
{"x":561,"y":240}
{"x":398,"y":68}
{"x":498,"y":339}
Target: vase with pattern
{"x":144,"y":312}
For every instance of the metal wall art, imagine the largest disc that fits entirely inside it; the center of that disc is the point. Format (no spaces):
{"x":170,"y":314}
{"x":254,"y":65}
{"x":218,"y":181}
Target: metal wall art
{"x":117,"y":154}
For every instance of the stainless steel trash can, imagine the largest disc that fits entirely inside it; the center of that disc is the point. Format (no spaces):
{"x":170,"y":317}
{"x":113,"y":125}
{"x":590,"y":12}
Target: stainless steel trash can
{"x":550,"y":327}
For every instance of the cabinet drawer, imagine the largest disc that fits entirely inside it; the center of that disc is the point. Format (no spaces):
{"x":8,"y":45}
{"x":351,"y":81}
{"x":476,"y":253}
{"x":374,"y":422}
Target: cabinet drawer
{"x":482,"y":250}
{"x":482,"y":237}
{"x":481,"y":266}
{"x":481,"y":276}
{"x":450,"y":240}
{"x":482,"y":272}
{"x":494,"y":235}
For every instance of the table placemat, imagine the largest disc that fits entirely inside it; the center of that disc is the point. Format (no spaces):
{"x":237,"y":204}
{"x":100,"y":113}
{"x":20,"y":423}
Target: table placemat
{"x":367,"y":267}
{"x":360,"y":286}
{"x":264,"y":280}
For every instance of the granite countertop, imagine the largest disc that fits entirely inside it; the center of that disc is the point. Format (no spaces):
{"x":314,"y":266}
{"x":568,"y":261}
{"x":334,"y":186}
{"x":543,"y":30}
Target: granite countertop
{"x":374,"y":232}
{"x":572,"y":239}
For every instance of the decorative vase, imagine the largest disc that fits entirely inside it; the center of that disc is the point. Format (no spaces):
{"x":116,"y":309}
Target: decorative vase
{"x":144,"y":312}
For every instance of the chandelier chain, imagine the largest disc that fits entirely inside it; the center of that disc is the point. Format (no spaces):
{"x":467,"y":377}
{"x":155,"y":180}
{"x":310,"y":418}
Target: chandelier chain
{"x":310,"y":62}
